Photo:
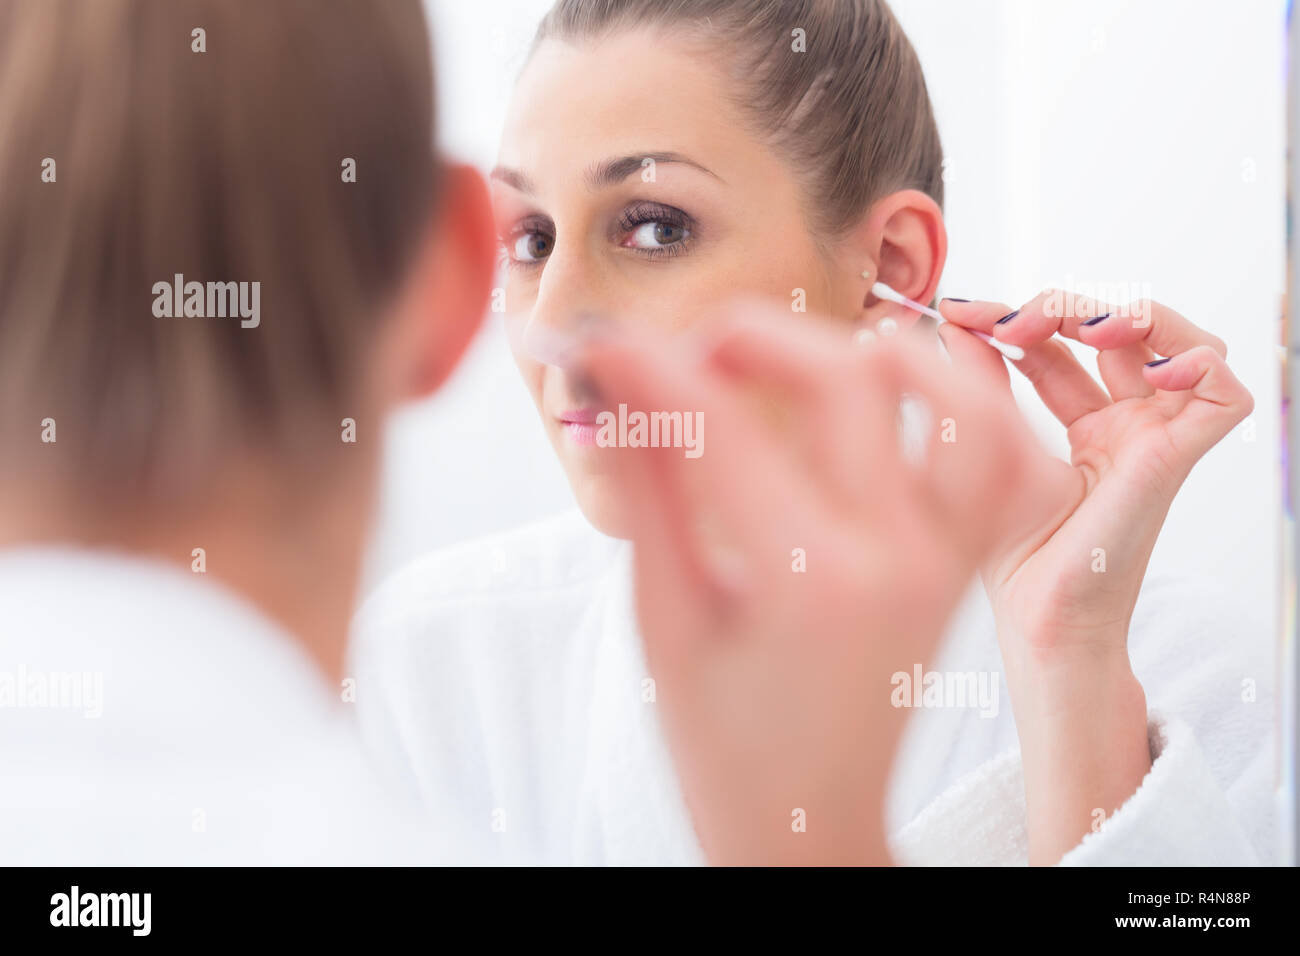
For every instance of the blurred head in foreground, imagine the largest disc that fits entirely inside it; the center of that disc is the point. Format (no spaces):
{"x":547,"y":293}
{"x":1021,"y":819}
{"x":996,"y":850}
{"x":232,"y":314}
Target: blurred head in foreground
{"x":226,"y":251}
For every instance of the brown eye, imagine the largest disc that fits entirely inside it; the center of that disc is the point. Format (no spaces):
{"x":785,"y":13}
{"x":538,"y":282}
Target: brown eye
{"x":657,"y":235}
{"x":666,"y":233}
{"x":531,"y":247}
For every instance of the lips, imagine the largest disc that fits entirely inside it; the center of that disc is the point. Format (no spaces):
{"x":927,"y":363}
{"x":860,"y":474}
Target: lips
{"x":579,"y":416}
{"x":579,"y":424}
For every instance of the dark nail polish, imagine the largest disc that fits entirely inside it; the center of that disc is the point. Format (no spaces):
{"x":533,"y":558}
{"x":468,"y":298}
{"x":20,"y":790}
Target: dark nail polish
{"x":1158,"y":362}
{"x":1094,"y":321}
{"x":949,"y":298}
{"x":1007,"y":318}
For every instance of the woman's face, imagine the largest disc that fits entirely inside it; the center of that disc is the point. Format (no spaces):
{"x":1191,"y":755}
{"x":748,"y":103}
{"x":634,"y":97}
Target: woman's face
{"x":629,"y":187}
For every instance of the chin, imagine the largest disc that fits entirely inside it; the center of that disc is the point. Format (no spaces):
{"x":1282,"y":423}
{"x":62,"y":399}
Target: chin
{"x":602,"y":503}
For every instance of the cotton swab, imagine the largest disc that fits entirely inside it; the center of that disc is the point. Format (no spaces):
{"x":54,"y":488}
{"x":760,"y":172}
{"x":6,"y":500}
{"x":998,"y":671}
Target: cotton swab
{"x":883,"y":291}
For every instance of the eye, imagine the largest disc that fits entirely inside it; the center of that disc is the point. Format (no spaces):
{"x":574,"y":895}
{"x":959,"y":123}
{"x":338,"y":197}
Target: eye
{"x":529,"y":242}
{"x":656,"y":235}
{"x":653,"y":229}
{"x":530,"y":247}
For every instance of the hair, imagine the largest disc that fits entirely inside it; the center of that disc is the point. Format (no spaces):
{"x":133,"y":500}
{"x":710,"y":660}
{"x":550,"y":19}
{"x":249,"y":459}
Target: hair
{"x":850,"y":111}
{"x":222,"y":165}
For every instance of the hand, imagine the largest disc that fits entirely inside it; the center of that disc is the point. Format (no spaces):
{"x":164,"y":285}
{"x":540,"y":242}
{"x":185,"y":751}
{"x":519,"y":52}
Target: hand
{"x":774,"y":681}
{"x":1063,"y":592}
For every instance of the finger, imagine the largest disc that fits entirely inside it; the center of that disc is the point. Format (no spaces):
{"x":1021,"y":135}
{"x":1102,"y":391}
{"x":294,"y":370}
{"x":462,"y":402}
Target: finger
{"x":1101,"y":325}
{"x":1126,"y":336}
{"x":1042,"y":317}
{"x":1122,"y":371}
{"x":832,"y":387}
{"x":976,"y":450}
{"x":657,"y":512}
{"x":1160,"y":328}
{"x":699,"y":511}
{"x":1218,"y":399}
{"x":1104,"y":325}
{"x":1033,"y":484}
{"x":979,"y":315}
{"x":1064,"y":385}
{"x":969,"y":352}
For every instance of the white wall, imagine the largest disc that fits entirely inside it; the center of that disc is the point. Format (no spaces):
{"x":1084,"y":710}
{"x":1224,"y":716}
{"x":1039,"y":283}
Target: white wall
{"x":1132,"y":144}
{"x":1116,"y":143}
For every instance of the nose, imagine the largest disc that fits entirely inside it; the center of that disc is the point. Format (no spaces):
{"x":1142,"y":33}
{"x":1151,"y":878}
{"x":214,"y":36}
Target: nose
{"x":571,"y":293}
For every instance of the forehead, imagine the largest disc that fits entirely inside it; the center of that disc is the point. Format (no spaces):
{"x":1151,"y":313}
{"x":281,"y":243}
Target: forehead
{"x":634,"y":90}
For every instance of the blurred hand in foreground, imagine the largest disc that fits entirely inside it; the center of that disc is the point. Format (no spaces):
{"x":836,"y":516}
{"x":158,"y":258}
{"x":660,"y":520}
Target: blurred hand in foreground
{"x":787,"y":572}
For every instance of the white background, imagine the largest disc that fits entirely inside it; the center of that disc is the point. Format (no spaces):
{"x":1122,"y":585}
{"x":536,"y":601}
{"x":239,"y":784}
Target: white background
{"x":1132,"y":144}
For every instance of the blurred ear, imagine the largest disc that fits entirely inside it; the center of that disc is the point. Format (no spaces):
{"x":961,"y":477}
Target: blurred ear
{"x":904,"y":243}
{"x":451,"y":283}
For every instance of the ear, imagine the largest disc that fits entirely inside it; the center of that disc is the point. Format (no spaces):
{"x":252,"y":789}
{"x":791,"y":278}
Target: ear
{"x":903,"y":243}
{"x":452,"y":281}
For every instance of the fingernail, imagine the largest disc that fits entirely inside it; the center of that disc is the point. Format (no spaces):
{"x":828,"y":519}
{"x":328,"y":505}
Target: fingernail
{"x":948,"y":298}
{"x":1159,"y":362}
{"x":1007,"y":318}
{"x":1091,"y":322}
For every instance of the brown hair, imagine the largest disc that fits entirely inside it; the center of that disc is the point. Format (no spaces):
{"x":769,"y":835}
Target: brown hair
{"x":223,"y":166}
{"x":850,"y":111}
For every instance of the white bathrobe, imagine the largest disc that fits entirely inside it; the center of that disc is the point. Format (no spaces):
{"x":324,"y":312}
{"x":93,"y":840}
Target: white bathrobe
{"x":149,"y":716}
{"x":507,"y":674}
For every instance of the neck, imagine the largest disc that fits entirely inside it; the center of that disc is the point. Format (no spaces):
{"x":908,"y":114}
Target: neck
{"x":295,"y":557}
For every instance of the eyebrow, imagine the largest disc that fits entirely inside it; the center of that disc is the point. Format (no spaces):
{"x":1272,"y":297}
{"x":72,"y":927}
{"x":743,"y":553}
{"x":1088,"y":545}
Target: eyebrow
{"x":608,"y":172}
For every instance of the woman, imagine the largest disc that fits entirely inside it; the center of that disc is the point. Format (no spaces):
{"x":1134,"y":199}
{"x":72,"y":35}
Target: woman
{"x":787,"y":150}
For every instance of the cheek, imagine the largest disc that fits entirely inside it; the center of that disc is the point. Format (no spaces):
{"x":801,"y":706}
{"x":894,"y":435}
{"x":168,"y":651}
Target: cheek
{"x":534,"y":374}
{"x":783,"y":272}
{"x":520,"y":291}
{"x":783,"y":275}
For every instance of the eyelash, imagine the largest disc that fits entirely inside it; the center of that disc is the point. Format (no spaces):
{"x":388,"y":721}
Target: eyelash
{"x":633,"y":216}
{"x":640,"y":213}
